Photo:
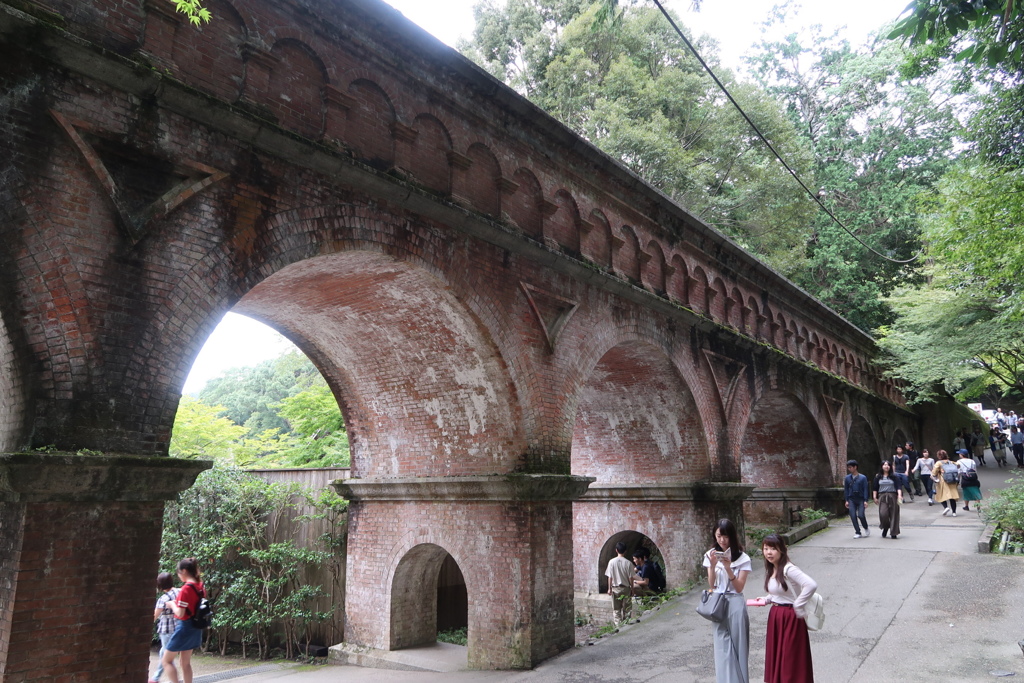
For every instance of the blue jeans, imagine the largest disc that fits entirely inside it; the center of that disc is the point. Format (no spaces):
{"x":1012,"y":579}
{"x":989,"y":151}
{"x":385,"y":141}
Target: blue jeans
{"x":164,"y":637}
{"x":857,"y":512}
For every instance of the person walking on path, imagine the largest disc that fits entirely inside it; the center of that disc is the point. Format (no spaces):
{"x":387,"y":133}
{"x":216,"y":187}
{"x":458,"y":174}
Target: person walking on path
{"x":946,"y":475}
{"x":186,"y":636}
{"x":1017,"y":445}
{"x":787,"y":650}
{"x":620,"y":577}
{"x":915,"y":475}
{"x":901,"y":468}
{"x":978,"y":445}
{"x":969,"y":482}
{"x":163,"y":615}
{"x":963,"y":461}
{"x":888,"y":496}
{"x":998,"y":440}
{"x":924,"y":469}
{"x":855,"y":491}
{"x":728,"y":567}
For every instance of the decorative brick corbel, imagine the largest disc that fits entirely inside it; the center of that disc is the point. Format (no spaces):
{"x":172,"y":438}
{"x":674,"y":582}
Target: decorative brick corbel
{"x":259,"y":63}
{"x":460,"y":164}
{"x":162,"y":23}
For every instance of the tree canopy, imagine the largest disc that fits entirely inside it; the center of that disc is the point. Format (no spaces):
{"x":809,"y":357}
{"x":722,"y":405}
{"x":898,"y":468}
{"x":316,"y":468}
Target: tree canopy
{"x":280,"y":413}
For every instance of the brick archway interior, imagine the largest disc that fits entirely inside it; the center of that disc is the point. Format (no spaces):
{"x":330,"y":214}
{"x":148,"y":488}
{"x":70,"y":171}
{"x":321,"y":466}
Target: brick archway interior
{"x":423,"y":389}
{"x":899,"y":438}
{"x":637,"y":421}
{"x":863,"y":447}
{"x":633,"y":540}
{"x":782,"y":446}
{"x":12,"y":406}
{"x":414,"y":596}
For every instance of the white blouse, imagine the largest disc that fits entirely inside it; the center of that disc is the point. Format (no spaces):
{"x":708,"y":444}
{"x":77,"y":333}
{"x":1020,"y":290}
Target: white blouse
{"x":722,"y":582}
{"x":800,"y":589}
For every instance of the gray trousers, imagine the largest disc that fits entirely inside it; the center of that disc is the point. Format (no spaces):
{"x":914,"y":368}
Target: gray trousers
{"x":732,"y":643}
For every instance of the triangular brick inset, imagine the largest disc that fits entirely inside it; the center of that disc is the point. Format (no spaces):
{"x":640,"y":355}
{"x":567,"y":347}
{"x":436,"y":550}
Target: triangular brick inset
{"x":834,"y":407}
{"x":552,"y":311}
{"x":726,"y":373}
{"x":174,"y":184}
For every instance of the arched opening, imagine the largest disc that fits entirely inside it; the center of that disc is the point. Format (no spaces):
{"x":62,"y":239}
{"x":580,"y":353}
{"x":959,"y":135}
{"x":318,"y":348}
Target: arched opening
{"x":637,"y":421}
{"x":782,"y":445}
{"x":452,"y":597}
{"x":862,"y":446}
{"x":899,"y":438}
{"x":416,"y":591}
{"x":783,"y":454}
{"x":422,"y":388}
{"x":633,"y":540}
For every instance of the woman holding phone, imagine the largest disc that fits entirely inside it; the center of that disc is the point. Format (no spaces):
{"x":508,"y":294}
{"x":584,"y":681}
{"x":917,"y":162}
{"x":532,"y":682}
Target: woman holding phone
{"x":787,"y":655}
{"x":728,"y":567}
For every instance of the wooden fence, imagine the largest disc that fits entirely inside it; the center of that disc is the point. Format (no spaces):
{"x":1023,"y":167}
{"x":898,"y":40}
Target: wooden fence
{"x":330,"y":575}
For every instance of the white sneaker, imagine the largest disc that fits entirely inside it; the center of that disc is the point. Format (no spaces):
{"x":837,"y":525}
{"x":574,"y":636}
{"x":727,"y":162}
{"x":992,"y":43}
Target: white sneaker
{"x":867,"y":532}
{"x":857,"y":536}
{"x":945,"y":512}
{"x":954,"y":514}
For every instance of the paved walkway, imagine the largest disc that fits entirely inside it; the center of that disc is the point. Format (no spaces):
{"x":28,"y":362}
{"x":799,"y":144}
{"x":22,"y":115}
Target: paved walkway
{"x":924,"y":607}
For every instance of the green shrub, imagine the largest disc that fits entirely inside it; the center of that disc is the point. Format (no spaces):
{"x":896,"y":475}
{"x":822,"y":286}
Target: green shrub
{"x":455,"y":636}
{"x":811,"y":514}
{"x":1006,"y":508}
{"x":755,"y":539}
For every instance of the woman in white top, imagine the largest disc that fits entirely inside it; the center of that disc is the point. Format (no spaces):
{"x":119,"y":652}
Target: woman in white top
{"x":728,"y":567}
{"x":924,"y":467}
{"x":787,"y":656}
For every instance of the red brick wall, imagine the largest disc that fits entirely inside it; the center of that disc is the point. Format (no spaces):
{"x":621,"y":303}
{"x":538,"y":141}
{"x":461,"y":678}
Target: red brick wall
{"x":85,"y":591}
{"x":513,"y":556}
{"x":637,"y":421}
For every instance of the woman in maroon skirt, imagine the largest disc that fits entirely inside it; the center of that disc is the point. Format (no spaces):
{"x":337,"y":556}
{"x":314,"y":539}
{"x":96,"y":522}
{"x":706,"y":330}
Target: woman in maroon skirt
{"x":788,"y":649}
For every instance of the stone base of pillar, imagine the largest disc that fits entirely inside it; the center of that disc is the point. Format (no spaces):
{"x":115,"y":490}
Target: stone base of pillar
{"x":79,"y":548}
{"x":511,"y":536}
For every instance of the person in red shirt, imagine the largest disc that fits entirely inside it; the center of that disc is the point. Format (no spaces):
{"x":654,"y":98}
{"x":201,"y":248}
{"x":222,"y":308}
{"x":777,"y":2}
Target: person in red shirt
{"x":186,"y":636}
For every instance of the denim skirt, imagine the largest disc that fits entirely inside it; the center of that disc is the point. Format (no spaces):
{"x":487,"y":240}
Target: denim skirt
{"x":186,"y":637}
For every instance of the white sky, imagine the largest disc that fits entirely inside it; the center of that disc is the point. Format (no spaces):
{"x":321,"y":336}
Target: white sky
{"x":239,"y":341}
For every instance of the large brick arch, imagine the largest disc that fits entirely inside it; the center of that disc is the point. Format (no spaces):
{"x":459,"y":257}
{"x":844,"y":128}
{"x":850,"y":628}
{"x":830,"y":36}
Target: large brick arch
{"x":633,"y":540}
{"x":782,"y":445}
{"x":862,"y":446}
{"x":425,"y":390}
{"x":637,"y":421}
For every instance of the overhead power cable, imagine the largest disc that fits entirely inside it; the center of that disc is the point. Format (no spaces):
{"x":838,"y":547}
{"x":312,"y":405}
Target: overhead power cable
{"x":753,"y":126}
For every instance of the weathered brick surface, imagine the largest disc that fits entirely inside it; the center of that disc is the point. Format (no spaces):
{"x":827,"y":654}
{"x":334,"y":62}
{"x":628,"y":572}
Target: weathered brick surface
{"x":484,"y":292}
{"x":84,"y":591}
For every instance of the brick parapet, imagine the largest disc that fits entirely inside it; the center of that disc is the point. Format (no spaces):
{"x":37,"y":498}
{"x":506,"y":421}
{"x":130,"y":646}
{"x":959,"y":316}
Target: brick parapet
{"x":795,"y":305}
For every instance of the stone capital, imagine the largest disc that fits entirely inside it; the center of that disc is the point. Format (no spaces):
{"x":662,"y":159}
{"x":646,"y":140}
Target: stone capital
{"x":59,"y":477}
{"x":661,"y":491}
{"x":497,"y":488}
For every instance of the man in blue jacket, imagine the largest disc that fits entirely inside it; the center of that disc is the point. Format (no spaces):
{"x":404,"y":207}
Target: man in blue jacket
{"x":855,"y":490}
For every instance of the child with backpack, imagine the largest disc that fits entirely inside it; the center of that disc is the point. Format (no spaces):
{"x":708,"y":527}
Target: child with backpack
{"x":163,"y":615}
{"x":188,"y":635}
{"x":946,"y":476}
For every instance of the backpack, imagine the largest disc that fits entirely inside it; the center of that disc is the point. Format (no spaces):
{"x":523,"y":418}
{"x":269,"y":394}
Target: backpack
{"x":203,"y":616}
{"x":657,"y":578}
{"x":814,"y":609}
{"x":950,"y":473}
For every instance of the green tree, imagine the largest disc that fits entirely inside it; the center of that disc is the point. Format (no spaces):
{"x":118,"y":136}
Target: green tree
{"x":635,"y":91}
{"x":978,"y":31}
{"x":201,"y":433}
{"x":879,"y":141}
{"x":314,"y":417}
{"x":962,"y":330}
{"x":242,"y":530}
{"x":250,"y":395}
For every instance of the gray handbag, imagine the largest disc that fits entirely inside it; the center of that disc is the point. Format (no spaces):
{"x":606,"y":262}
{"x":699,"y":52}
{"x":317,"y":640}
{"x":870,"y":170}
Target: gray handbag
{"x":713,"y":606}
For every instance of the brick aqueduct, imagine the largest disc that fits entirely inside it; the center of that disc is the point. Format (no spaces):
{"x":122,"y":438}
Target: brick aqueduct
{"x":504,"y":314}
